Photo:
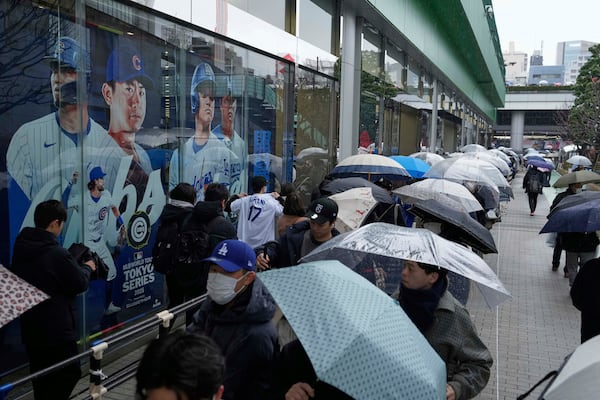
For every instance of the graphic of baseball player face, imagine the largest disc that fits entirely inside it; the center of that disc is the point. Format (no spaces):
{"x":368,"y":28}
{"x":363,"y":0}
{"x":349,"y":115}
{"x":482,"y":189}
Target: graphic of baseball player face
{"x":206,"y":110}
{"x":127,"y":102}
{"x":99,"y":184}
{"x":59,"y":77}
{"x":228,"y":109}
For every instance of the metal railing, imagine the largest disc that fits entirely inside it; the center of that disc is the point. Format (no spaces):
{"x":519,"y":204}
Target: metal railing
{"x":100,"y":384}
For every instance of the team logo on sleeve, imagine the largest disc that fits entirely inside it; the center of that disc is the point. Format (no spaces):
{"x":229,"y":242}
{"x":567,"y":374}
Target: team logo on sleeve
{"x":138,"y":230}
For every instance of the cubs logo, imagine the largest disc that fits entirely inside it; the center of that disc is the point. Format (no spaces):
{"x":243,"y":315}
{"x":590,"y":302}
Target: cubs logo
{"x":103,"y":213}
{"x":136,"y":61}
{"x":138,"y":230}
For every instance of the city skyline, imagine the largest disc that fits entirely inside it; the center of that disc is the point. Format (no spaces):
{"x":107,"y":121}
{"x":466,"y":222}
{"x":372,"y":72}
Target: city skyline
{"x":528,"y":23}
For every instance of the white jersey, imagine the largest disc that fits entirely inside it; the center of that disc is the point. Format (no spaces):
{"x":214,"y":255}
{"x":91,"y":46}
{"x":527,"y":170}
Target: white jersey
{"x":41,"y":150}
{"x":97,"y":212}
{"x":238,"y":146}
{"x":213,"y":162}
{"x":256,"y":218}
{"x":109,"y":156}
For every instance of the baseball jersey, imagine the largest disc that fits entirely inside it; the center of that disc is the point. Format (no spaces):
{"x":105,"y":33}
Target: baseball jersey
{"x":97,"y":213}
{"x":41,"y":150}
{"x":213,"y":162}
{"x":238,"y":146}
{"x":256,"y":218}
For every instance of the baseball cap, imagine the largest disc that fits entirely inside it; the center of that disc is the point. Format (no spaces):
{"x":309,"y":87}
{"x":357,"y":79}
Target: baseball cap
{"x":124,"y":64}
{"x":68,"y":53}
{"x":96,"y":173}
{"x":233,"y":255}
{"x":203,"y":73}
{"x":322,"y":210}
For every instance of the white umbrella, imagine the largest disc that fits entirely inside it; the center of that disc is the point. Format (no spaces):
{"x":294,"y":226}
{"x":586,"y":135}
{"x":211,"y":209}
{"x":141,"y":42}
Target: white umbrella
{"x":429,"y":158}
{"x":580,"y":160}
{"x":354,"y":206}
{"x":472,"y":148}
{"x":495,"y":161}
{"x":578,"y":378}
{"x":439,"y":189}
{"x":391,"y":243}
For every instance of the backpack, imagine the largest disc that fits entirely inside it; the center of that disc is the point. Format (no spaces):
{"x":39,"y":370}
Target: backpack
{"x":165,"y":245}
{"x":535,"y":186}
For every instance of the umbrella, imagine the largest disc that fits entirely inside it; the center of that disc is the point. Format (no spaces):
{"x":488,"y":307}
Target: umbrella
{"x":312,"y":152}
{"x":577,"y":177}
{"x":429,"y":158}
{"x":495,"y":161}
{"x":501,"y":155}
{"x":16,"y":296}
{"x":392,"y":243}
{"x":415,"y":166}
{"x":470,"y":170}
{"x":580,"y":160}
{"x":464,"y":229}
{"x":371,"y":167}
{"x":342,"y":184}
{"x":358,"y":338}
{"x":354,"y":207}
{"x":540,"y":163}
{"x":576,"y":213}
{"x":473,"y":148}
{"x":578,"y":377}
{"x":439,"y":189}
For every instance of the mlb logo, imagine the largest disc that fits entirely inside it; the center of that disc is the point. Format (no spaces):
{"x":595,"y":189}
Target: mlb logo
{"x":138,"y":255}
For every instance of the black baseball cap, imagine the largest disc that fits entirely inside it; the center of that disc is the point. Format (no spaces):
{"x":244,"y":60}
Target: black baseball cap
{"x":322,"y":210}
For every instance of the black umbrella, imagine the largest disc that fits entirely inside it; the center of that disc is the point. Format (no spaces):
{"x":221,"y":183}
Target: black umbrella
{"x":342,"y":184}
{"x":461,"y":227}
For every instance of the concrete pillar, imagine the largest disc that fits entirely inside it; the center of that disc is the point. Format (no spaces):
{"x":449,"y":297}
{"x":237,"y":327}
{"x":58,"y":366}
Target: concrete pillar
{"x":517,"y":126}
{"x":434,"y":116}
{"x":350,"y":82}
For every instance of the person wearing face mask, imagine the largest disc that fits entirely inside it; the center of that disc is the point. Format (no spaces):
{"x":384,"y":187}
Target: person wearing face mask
{"x":237,"y":316}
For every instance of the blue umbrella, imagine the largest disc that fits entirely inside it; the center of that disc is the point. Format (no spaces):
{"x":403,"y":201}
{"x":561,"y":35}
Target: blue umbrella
{"x":415,"y":166}
{"x":576,"y":213}
{"x":358,"y":338}
{"x":371,"y":167}
{"x":540,"y":163}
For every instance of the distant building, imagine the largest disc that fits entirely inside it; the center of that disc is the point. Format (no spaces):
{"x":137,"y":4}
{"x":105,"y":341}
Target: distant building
{"x":516,"y":66}
{"x":546,"y":75}
{"x":572,"y":55}
{"x":537,"y":58}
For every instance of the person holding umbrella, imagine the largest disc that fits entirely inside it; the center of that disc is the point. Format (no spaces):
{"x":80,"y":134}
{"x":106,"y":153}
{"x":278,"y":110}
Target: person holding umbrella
{"x":448,"y":328}
{"x":533,"y":183}
{"x":573,"y":188}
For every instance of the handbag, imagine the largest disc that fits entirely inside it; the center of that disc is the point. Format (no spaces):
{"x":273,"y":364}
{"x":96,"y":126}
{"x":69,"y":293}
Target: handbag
{"x":82,"y":253}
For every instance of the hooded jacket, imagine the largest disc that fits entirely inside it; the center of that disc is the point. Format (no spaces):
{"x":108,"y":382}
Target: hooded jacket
{"x":244,"y":332}
{"x":40,"y":260}
{"x":211,"y":213}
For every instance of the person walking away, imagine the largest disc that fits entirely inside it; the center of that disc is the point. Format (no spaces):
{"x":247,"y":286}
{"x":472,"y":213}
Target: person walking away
{"x":257,"y":213}
{"x":573,"y":188}
{"x":580,"y":248}
{"x":181,"y":366}
{"x":237,"y":316}
{"x":49,"y":330}
{"x":533,"y":183}
{"x":586,"y":298}
{"x":448,"y":328}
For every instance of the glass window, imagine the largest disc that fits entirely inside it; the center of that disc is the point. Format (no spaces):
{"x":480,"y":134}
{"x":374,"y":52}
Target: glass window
{"x":277,"y":13}
{"x":394,"y":66}
{"x":316,"y":22}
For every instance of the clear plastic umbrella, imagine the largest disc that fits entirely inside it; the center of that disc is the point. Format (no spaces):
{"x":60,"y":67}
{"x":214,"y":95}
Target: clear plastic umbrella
{"x":473,"y":148}
{"x":388,"y":242}
{"x":429,"y":158}
{"x":439,"y":189}
{"x":580,"y":160}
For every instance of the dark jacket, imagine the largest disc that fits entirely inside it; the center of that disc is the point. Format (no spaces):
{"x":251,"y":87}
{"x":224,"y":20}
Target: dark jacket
{"x":576,"y":242}
{"x":244,"y":332}
{"x":561,"y":196}
{"x":288,"y":250}
{"x":533,"y":179}
{"x":211,"y":213}
{"x":586,"y":298}
{"x":41,"y":261}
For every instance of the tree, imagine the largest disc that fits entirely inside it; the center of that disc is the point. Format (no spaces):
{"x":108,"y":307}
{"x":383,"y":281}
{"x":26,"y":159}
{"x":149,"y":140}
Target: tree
{"x":584,"y":117}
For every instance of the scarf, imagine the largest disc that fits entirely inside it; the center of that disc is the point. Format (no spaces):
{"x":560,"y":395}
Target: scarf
{"x":420,"y":304}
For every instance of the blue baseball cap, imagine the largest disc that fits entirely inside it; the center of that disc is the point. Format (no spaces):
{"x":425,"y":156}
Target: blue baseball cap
{"x":68,"y":53}
{"x":124,"y":64}
{"x":233,"y":255}
{"x":96,"y":173}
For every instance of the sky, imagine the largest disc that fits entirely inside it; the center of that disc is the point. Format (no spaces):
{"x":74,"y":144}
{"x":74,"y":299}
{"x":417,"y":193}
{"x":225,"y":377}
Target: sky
{"x":529,"y":22}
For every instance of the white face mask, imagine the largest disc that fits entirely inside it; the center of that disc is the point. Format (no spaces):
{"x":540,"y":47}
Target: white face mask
{"x":221,"y":288}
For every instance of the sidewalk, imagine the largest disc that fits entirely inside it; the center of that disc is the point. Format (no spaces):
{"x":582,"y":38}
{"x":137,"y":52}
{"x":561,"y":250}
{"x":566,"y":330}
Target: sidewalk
{"x":531,"y":334}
